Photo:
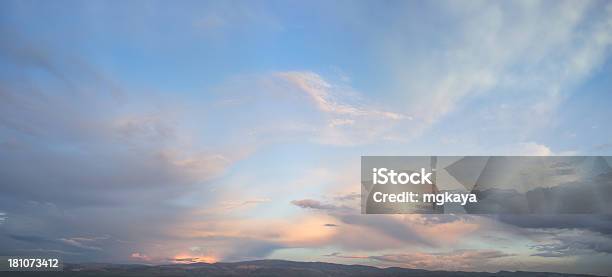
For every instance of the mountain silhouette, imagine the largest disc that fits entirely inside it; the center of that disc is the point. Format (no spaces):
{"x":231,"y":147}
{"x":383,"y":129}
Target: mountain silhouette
{"x":261,"y":268}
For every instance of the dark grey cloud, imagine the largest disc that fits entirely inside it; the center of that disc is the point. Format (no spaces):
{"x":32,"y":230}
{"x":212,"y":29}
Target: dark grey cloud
{"x":595,"y":222}
{"x":465,"y":256}
{"x":29,"y":238}
{"x":460,"y":259}
{"x":586,"y":237}
{"x":313,"y":204}
{"x":574,"y":243}
{"x":28,"y":244}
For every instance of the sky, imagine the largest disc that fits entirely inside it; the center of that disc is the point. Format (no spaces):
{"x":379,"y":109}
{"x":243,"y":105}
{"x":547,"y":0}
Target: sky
{"x":159,"y":132}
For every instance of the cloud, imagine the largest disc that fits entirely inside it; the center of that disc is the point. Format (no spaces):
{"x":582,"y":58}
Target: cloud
{"x":322,"y":94}
{"x":52,"y":251}
{"x":29,"y":238}
{"x":313,"y":204}
{"x":393,"y":231}
{"x":232,"y":205}
{"x":596,"y":223}
{"x":461,"y":259}
{"x":233,"y":236}
{"x":86,"y":243}
{"x":499,"y":67}
{"x":454,"y":260}
{"x":300,"y":106}
{"x":79,"y":243}
{"x":390,"y":231}
{"x":529,"y":148}
{"x":385,"y":232}
{"x":139,"y":256}
{"x":348,"y":118}
{"x":533,"y":149}
{"x":348,"y":197}
{"x":569,"y":243}
{"x":116,"y":159}
{"x":143,"y":166}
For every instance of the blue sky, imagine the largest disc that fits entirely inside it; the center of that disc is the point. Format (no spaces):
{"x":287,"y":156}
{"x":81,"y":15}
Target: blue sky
{"x":199,"y":129}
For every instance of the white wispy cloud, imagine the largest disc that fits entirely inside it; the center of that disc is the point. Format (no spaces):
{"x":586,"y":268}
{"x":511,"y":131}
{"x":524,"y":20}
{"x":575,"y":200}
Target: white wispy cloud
{"x":349,"y":117}
{"x":524,"y":56}
{"x":322,"y":94}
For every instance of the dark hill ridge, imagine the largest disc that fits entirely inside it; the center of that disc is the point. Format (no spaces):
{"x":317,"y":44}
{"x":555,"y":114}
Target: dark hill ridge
{"x":260,"y":268}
